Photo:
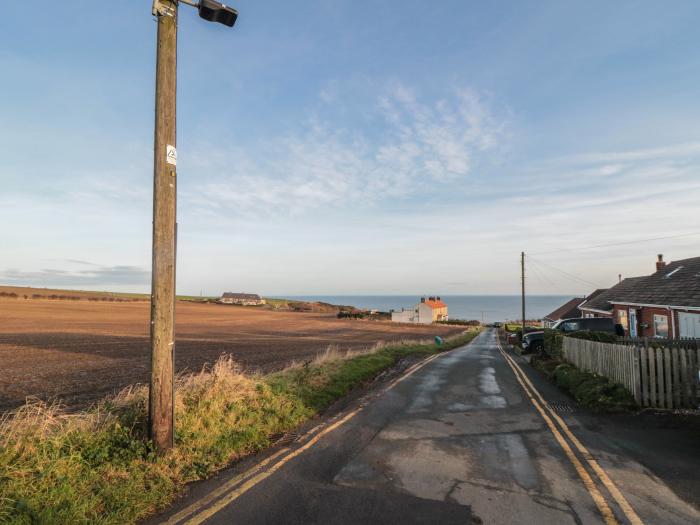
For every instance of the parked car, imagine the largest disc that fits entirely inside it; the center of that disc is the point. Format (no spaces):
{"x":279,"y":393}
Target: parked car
{"x":533,"y":342}
{"x":589,"y":324}
{"x":513,"y":338}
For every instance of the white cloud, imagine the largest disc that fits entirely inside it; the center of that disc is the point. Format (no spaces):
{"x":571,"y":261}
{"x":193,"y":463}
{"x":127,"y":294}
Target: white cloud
{"x":410,"y":146}
{"x":95,"y":276}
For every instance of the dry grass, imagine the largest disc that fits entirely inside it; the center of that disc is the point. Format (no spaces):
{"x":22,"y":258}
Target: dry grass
{"x":98,"y":467}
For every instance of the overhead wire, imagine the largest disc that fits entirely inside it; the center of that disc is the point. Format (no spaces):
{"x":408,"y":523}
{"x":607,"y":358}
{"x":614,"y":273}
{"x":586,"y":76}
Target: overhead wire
{"x":617,"y":243}
{"x":542,"y":278}
{"x":567,"y":274}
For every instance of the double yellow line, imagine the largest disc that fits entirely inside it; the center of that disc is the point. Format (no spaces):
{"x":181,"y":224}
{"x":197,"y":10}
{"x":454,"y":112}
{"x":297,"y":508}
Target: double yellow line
{"x":550,"y":417}
{"x":205,"y":508}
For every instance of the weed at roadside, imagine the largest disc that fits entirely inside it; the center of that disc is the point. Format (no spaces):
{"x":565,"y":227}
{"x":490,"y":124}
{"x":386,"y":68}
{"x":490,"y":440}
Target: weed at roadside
{"x":98,"y":467}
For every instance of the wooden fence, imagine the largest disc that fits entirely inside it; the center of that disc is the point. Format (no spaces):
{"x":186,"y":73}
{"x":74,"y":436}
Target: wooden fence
{"x":660,"y":377}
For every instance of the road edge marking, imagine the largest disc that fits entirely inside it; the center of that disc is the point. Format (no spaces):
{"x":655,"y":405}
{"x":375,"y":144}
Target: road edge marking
{"x":609,"y":484}
{"x":588,"y":482}
{"x":250,"y":483}
{"x":197,"y":516}
{"x":213,"y":495}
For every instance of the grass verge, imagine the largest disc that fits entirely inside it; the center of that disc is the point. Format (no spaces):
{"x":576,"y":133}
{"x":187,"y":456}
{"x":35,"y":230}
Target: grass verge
{"x":97,"y":466}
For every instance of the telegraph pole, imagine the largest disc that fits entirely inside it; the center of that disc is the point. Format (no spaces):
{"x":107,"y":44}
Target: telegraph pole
{"x":522,"y":289}
{"x":161,"y":406}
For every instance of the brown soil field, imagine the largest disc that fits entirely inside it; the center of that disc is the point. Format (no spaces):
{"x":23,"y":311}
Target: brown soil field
{"x":78,"y":351}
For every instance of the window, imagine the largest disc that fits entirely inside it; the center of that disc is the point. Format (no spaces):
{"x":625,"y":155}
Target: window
{"x":622,"y":319}
{"x":661,"y":326}
{"x":571,"y":326}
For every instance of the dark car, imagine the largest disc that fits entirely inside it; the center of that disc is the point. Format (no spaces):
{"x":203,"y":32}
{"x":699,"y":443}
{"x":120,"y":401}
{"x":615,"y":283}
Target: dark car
{"x":589,"y":324}
{"x":533,"y":342}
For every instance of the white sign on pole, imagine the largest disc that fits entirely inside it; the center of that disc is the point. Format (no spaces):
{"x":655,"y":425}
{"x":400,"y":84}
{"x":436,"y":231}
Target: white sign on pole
{"x":171,"y":155}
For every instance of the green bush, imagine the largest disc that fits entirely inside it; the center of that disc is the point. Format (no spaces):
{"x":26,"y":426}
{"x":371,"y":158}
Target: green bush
{"x":553,"y":340}
{"x":603,"y":337}
{"x":593,"y":391}
{"x":545,"y":364}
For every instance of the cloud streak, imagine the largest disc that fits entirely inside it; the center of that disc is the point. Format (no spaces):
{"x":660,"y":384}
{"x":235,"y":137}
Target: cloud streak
{"x":101,"y":275}
{"x":413,"y":146}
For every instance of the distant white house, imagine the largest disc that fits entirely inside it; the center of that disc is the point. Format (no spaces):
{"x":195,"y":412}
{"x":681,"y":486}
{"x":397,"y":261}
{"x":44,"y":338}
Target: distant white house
{"x":428,"y":311}
{"x":243,"y":299}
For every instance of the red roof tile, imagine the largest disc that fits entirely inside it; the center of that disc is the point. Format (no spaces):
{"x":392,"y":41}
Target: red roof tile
{"x":435,"y":304}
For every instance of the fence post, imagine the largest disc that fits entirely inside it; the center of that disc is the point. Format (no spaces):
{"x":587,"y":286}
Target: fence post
{"x":642,"y":354}
{"x":685,"y":378}
{"x":669,"y":382}
{"x":637,"y":391}
{"x":660,"y":377}
{"x":652,"y":375}
{"x":695,"y":358}
{"x":675,"y":368}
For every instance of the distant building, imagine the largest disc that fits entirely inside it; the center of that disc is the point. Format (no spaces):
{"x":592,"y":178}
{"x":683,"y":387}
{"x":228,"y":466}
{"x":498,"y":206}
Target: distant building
{"x":428,"y":311}
{"x":243,"y":299}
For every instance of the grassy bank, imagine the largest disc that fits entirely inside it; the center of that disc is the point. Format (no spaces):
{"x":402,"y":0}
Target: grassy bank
{"x":97,"y":466}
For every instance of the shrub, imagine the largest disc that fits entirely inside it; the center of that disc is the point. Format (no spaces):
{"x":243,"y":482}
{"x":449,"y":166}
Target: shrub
{"x":553,"y":340}
{"x":593,"y":391}
{"x":545,"y":364}
{"x":603,"y":337}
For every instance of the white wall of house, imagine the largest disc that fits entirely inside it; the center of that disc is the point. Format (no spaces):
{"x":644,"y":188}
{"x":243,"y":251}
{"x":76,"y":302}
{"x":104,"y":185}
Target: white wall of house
{"x":425,"y":314}
{"x":404,"y":316}
{"x":421,"y":313}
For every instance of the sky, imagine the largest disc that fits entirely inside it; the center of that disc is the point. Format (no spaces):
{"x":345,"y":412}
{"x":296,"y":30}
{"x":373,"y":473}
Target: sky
{"x":366,"y":147}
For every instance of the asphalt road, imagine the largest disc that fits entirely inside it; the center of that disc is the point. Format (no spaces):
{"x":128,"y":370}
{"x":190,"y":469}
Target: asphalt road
{"x":466,"y":437}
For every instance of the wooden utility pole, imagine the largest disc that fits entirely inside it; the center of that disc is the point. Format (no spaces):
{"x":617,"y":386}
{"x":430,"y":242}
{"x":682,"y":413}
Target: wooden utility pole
{"x":522,"y":288}
{"x":161,"y":396}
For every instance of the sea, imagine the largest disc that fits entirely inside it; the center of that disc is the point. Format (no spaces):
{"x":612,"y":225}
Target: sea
{"x":486,"y":308}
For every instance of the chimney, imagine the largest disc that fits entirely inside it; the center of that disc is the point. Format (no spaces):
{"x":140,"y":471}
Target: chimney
{"x":422,"y":299}
{"x":660,"y":263}
{"x":619,"y":277}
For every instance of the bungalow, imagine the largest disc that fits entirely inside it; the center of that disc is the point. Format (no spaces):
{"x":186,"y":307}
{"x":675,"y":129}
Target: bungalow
{"x":598,"y":305}
{"x":665,"y":304}
{"x":243,"y":299}
{"x":428,"y":311}
{"x":566,"y":311}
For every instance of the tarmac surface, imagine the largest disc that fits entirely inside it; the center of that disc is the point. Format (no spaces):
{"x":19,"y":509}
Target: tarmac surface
{"x":473,"y":435}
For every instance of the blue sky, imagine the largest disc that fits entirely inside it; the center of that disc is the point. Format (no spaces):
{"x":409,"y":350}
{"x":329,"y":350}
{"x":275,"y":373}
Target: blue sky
{"x":333,"y":147}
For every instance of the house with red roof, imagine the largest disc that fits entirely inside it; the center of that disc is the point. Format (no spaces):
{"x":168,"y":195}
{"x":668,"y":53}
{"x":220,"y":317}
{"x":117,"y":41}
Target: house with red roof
{"x":429,"y":310}
{"x":665,"y":304}
{"x":566,"y":311}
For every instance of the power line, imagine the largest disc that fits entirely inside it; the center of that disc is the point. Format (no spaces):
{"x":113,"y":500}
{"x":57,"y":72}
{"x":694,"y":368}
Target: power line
{"x":569,"y":275}
{"x":618,"y":243}
{"x":542,"y":278}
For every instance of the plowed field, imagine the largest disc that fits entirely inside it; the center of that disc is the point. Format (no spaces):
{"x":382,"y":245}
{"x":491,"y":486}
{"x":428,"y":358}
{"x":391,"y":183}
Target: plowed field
{"x":78,"y":351}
